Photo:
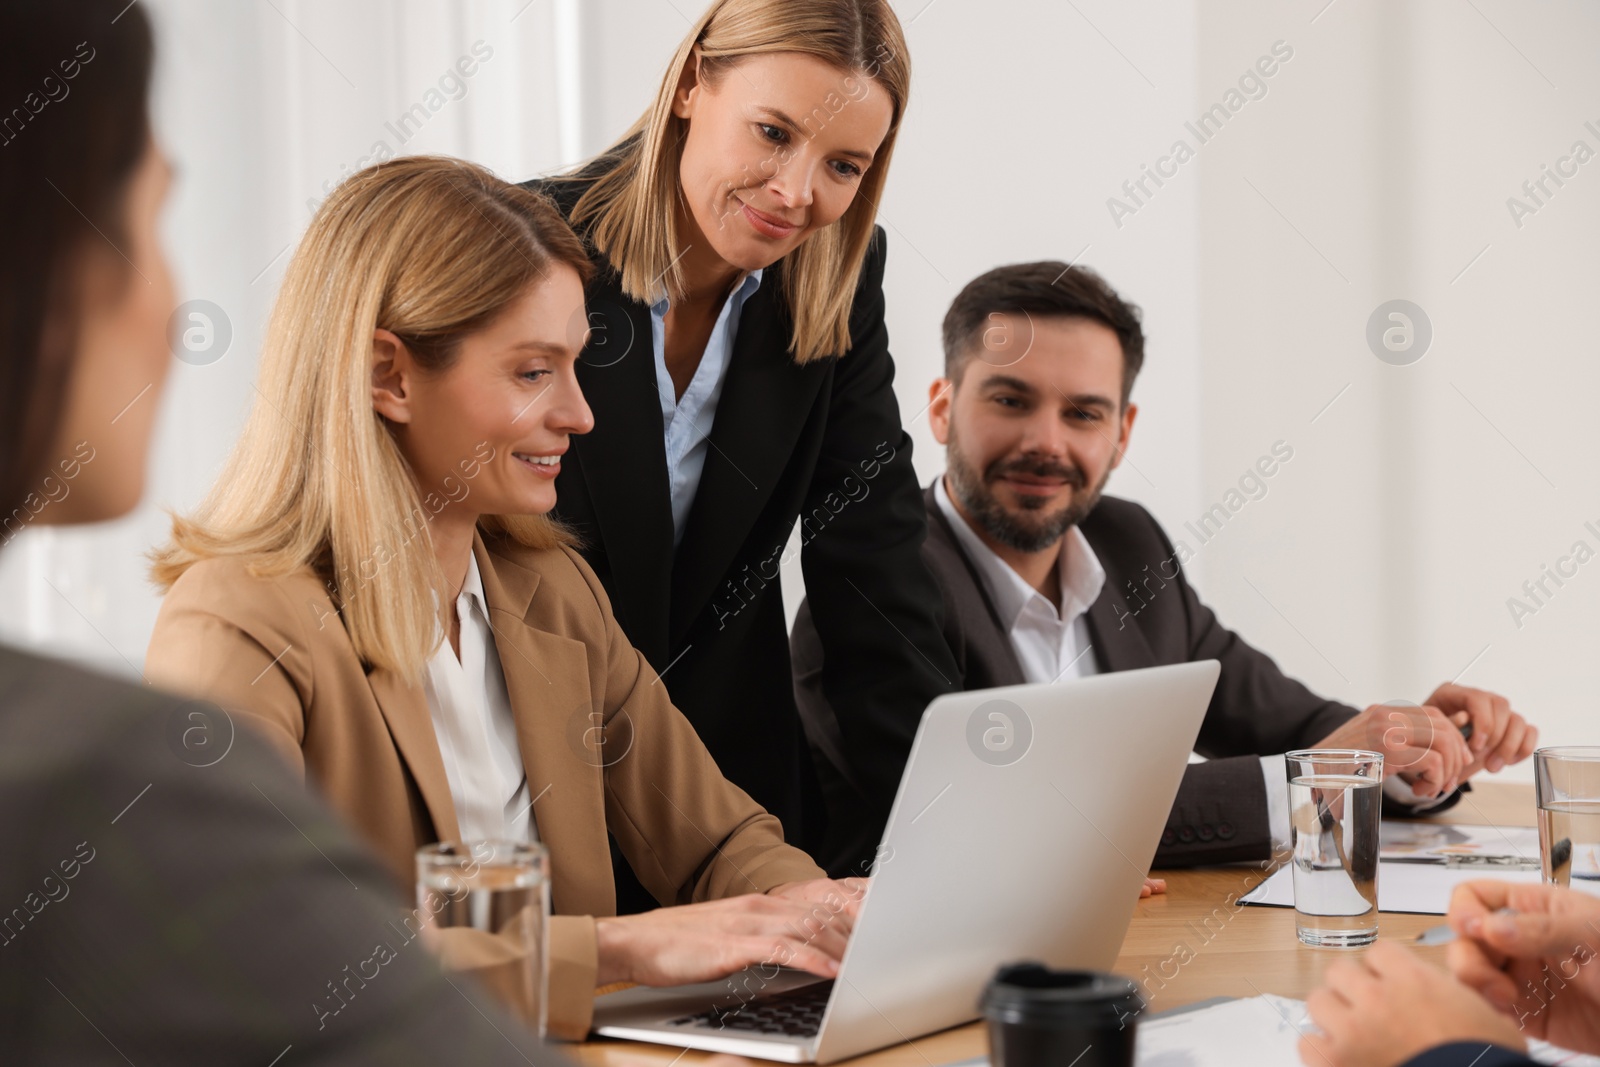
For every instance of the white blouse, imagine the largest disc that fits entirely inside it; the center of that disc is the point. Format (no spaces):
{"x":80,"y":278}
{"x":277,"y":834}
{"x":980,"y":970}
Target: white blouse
{"x":471,"y":712}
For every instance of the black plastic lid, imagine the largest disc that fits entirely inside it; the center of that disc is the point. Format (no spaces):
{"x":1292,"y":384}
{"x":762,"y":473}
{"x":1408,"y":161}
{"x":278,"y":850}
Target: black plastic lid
{"x":1033,"y":994}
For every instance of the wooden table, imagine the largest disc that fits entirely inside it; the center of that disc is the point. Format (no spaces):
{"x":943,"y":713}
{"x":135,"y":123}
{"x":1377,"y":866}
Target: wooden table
{"x":1184,"y":946}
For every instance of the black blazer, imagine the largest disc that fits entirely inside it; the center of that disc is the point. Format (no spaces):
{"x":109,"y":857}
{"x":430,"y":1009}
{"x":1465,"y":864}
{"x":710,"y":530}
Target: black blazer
{"x":173,"y":894}
{"x":1141,"y":619}
{"x":819,"y":444}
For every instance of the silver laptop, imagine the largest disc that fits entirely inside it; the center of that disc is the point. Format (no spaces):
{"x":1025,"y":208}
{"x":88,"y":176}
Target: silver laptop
{"x":1025,"y":822}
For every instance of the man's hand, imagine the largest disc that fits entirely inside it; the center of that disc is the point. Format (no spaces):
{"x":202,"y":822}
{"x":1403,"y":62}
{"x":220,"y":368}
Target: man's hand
{"x":1419,"y":743}
{"x":1537,"y":965}
{"x":1424,"y":746}
{"x":1500,"y":737}
{"x":1152,"y":886}
{"x":1386,"y":1007}
{"x":804,"y":925}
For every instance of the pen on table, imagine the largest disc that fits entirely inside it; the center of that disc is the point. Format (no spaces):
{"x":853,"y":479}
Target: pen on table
{"x":1443,"y":935}
{"x":1471,"y":860}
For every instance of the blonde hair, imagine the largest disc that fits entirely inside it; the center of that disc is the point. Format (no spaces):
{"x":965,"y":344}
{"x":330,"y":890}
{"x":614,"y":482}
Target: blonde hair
{"x":632,"y":204}
{"x":431,"y":249}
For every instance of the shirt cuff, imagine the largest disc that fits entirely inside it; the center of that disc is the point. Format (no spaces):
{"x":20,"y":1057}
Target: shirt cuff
{"x":1399,"y":790}
{"x":1275,"y":776}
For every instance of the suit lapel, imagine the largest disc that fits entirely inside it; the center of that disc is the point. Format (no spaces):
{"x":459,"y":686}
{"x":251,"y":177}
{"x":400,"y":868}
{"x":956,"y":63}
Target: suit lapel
{"x":1118,"y":642}
{"x":624,"y":460}
{"x":765,"y":400}
{"x":547,"y":680}
{"x":405,"y":709}
{"x":1117,"y":647}
{"x":992,"y":642}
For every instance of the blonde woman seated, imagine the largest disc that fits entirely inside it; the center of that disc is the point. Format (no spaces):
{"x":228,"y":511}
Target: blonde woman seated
{"x":372,"y":582}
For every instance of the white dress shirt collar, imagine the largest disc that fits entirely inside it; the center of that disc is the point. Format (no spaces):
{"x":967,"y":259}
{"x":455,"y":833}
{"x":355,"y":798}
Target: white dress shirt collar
{"x":1081,"y":575}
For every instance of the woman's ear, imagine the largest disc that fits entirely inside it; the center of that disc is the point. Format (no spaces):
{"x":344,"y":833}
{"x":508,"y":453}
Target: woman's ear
{"x":392,"y":370}
{"x":688,"y":82}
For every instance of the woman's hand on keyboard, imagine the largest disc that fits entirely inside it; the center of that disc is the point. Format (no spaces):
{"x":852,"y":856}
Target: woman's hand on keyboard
{"x":790,"y":927}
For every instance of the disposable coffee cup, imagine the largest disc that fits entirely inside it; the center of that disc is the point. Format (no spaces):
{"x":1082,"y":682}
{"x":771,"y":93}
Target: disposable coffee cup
{"x":1043,"y":1018}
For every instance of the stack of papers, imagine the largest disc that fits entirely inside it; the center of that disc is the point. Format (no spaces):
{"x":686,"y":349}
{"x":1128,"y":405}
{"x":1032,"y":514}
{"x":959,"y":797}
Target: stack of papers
{"x":1483,"y":847}
{"x":1420,"y":864}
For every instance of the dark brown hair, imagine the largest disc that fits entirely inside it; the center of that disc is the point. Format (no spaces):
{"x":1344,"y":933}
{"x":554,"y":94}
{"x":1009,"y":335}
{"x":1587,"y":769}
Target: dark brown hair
{"x":1044,"y":289}
{"x":74,"y":125}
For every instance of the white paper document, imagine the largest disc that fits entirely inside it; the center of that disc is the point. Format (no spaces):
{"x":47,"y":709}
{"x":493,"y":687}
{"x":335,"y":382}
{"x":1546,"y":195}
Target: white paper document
{"x":1259,"y":1031}
{"x":1402,"y":887}
{"x":1253,"y":1032}
{"x":1420,"y":865}
{"x":1489,"y":846}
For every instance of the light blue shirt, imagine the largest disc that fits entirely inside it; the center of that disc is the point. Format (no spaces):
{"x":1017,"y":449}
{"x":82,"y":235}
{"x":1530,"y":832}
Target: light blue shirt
{"x":687,"y":421}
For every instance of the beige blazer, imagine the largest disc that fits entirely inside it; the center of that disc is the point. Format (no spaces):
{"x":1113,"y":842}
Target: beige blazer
{"x":275,"y":652}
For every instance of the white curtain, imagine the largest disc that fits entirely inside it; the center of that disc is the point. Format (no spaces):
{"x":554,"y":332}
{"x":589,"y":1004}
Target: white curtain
{"x":263,"y":105}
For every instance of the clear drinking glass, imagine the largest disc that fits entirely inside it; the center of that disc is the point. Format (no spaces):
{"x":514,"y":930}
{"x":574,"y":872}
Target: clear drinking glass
{"x":1335,"y":796}
{"x":1566,"y":782}
{"x":484,"y":908}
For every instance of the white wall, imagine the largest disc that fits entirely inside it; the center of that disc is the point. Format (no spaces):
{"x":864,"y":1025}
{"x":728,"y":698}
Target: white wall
{"x":1377,"y":165}
{"x":1383,"y":557}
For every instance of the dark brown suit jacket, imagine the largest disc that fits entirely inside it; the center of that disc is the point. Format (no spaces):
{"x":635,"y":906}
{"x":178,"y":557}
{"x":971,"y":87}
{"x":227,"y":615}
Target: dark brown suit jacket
{"x":1147,"y":615}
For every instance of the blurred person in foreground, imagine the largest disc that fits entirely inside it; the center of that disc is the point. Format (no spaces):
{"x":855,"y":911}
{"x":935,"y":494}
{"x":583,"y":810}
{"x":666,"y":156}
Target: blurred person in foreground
{"x":1522,"y":966}
{"x":169,"y":892}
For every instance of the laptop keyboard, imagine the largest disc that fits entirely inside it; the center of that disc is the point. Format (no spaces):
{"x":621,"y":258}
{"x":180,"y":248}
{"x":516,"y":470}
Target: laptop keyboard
{"x":797,"y":1013}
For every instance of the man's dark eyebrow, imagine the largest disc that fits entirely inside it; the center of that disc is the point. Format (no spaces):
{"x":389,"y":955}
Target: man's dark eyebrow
{"x":1080,"y":400}
{"x":1089,"y":400}
{"x":1006,"y":381}
{"x":865,"y":157}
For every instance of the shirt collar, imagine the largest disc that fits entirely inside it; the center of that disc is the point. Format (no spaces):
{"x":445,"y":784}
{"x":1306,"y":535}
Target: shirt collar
{"x":741,"y":292}
{"x":472,"y":591}
{"x":1082,"y":576}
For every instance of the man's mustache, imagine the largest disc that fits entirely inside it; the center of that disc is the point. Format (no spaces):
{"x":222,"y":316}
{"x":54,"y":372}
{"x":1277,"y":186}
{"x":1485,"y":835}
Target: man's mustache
{"x":1039,"y":469}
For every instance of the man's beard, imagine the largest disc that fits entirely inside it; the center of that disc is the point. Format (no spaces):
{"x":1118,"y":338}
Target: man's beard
{"x":1036,"y":531}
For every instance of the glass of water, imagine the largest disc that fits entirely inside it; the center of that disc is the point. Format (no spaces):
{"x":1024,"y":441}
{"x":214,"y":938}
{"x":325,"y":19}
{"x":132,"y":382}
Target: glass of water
{"x":1567,"y":784}
{"x":483,"y":908}
{"x":1335,"y":796}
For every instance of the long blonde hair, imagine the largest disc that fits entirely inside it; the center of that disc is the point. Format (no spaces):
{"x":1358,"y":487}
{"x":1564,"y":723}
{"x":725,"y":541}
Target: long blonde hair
{"x":431,"y":249}
{"x":632,"y":204}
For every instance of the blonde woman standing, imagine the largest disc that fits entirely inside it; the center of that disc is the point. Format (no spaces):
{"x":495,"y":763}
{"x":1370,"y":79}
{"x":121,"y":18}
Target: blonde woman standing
{"x":740,"y":376}
{"x":374,"y":584}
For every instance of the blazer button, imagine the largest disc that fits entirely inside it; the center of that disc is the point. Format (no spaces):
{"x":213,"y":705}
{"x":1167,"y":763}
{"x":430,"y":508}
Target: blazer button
{"x":1207,"y":832}
{"x":1225,"y":830}
{"x":1186,"y":834}
{"x":1167,"y":837}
